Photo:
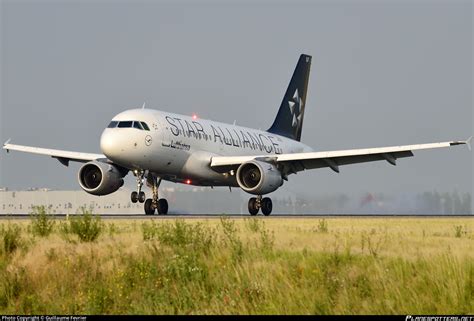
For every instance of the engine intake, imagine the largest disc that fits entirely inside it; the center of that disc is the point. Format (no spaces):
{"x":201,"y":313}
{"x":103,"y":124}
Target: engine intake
{"x":100,"y":178}
{"x":256,"y":177}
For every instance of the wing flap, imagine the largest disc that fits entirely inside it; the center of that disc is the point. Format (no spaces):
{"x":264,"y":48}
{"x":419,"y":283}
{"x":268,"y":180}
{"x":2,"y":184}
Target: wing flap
{"x":335,"y":162}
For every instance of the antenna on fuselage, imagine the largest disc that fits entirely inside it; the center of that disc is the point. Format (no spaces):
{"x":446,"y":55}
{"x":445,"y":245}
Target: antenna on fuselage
{"x":143,"y":106}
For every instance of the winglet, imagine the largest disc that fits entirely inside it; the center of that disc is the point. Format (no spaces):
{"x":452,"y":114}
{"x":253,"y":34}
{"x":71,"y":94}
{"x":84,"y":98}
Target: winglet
{"x":468,"y":142}
{"x":5,"y":144}
{"x":462,"y":142}
{"x":143,"y":106}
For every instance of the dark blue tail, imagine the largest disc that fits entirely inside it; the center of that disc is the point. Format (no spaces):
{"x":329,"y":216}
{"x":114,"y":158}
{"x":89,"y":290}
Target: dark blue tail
{"x":289,"y":120}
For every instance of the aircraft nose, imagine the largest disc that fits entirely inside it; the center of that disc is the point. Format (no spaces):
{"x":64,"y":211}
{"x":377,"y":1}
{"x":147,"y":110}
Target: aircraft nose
{"x":109,"y":144}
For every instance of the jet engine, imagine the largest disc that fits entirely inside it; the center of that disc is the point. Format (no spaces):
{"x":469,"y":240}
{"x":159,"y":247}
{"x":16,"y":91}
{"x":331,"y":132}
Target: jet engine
{"x":100,"y":178}
{"x":256,"y":177}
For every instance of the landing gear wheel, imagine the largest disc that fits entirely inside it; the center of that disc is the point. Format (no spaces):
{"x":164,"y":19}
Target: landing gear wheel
{"x":149,"y":208}
{"x":162,"y":206}
{"x":134,"y":197}
{"x":253,"y":206}
{"x":266,"y":205}
{"x":141,"y":197}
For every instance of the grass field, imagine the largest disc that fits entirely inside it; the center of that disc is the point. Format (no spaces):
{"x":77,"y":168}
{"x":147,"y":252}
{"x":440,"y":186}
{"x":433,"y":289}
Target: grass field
{"x":238,"y":266}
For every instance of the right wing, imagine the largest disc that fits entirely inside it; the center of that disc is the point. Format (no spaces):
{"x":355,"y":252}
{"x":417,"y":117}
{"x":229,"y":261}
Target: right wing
{"x":62,"y":156}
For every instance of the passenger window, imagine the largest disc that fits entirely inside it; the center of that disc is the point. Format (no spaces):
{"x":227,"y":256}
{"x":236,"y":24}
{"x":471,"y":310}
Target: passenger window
{"x":145,"y":126}
{"x":113,"y":124}
{"x":137,"y":125}
{"x":125,"y":124}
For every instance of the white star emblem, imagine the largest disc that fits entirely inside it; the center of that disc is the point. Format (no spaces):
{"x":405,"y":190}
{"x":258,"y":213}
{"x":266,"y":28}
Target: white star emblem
{"x":295,"y":112}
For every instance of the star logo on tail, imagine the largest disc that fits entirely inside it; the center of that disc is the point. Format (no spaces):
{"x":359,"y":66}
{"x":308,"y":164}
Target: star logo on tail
{"x":295,"y":105}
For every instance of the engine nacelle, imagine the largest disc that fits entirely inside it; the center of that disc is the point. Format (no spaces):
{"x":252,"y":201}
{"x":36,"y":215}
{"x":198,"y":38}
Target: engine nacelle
{"x":256,"y":177}
{"x":99,"y":178}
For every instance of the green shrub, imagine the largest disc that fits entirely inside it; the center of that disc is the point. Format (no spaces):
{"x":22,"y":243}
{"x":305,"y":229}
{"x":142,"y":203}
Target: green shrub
{"x":231,"y":238}
{"x":41,"y":223}
{"x":229,"y":228}
{"x":253,"y":224}
{"x":373,"y":243}
{"x":323,"y":226}
{"x":64,"y":230}
{"x":459,"y":231}
{"x":86,"y":226}
{"x":267,"y":239}
{"x":113,"y":229}
{"x":149,"y":231}
{"x":11,"y":235}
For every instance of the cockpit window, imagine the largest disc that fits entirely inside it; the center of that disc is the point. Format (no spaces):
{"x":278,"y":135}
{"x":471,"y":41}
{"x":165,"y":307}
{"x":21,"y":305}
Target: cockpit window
{"x":125,"y":124}
{"x":137,"y":125}
{"x":113,"y":124}
{"x":145,"y":126}
{"x":129,"y":124}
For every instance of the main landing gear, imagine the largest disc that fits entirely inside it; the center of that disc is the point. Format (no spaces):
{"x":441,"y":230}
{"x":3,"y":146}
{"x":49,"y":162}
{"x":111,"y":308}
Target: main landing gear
{"x":155,"y":203}
{"x":256,"y":203}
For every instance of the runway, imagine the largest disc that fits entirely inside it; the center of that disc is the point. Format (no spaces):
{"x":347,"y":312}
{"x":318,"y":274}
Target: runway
{"x":237,"y":216}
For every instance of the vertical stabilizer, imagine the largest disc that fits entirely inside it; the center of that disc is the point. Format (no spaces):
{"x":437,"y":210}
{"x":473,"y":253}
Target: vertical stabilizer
{"x":289,"y":120}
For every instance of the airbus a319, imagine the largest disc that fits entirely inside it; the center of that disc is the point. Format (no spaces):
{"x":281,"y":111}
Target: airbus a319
{"x":157,"y":145}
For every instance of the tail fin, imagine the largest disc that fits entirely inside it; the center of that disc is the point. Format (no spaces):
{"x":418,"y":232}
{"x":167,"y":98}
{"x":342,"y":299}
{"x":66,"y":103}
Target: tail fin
{"x":289,"y":120}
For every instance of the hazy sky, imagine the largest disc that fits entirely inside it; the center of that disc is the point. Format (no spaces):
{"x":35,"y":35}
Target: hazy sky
{"x":383,"y":73}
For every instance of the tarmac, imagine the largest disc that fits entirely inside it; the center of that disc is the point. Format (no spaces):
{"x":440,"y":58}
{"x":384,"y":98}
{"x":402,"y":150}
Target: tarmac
{"x":210,"y":216}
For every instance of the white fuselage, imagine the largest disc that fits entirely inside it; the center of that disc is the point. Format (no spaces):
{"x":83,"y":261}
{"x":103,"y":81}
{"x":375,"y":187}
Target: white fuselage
{"x":179,"y":148}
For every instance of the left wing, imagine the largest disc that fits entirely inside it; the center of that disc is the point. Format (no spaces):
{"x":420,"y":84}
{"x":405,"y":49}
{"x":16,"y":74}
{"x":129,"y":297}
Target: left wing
{"x":293,"y":163}
{"x":62,"y":155}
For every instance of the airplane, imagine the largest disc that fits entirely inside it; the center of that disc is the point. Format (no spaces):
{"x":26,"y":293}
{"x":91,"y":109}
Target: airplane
{"x":157,"y":145}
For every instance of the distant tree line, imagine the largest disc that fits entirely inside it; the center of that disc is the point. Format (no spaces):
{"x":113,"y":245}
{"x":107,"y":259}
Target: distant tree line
{"x":445,"y":203}
{"x":425,"y":203}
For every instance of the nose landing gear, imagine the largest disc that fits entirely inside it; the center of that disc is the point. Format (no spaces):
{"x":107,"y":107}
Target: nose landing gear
{"x":138,"y":196}
{"x":257,"y":203}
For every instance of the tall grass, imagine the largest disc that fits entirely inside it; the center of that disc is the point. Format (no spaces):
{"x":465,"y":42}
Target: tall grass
{"x":180,"y":236}
{"x":229,"y":266}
